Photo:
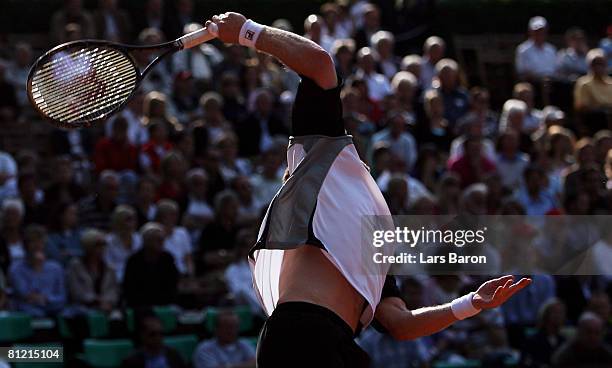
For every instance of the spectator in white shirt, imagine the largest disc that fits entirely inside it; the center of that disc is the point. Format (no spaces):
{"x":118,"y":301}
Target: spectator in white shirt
{"x":384,"y":43}
{"x":332,"y":27}
{"x":400,"y":142}
{"x":17,"y":71}
{"x":433,"y":51}
{"x":123,"y":240}
{"x":378,"y":84}
{"x":571,"y":61}
{"x":535,"y":58}
{"x":177,"y":241}
{"x":226,"y":349}
{"x":8,"y":176}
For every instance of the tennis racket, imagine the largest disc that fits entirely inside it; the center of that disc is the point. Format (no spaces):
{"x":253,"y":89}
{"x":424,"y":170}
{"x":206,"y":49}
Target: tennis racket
{"x":83,"y":82}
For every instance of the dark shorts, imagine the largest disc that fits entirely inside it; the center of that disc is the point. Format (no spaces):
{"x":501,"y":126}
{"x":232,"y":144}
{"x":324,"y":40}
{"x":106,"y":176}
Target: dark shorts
{"x":305,"y":335}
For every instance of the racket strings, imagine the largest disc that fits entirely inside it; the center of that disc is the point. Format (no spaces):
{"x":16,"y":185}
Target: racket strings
{"x":83,"y":84}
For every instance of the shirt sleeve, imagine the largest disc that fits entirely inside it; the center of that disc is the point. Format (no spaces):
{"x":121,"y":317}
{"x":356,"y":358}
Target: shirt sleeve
{"x":317,"y":111}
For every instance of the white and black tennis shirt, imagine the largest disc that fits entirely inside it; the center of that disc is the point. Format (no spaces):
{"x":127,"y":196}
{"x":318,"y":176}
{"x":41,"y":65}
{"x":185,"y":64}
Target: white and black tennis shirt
{"x":327,"y":201}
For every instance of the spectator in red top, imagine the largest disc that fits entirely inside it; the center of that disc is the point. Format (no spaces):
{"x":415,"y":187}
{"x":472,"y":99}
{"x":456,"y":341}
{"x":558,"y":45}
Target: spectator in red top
{"x":472,"y":166}
{"x":155,"y":149}
{"x":116,"y":152}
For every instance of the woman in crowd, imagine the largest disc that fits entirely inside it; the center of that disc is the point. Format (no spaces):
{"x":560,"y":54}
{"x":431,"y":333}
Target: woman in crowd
{"x":123,"y":239}
{"x":64,"y":240}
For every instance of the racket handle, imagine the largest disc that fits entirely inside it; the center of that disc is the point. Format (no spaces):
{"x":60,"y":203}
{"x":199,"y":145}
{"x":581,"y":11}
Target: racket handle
{"x":198,"y":37}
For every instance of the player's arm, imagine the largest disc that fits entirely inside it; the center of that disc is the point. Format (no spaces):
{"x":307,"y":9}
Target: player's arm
{"x":298,"y":53}
{"x":404,"y":324}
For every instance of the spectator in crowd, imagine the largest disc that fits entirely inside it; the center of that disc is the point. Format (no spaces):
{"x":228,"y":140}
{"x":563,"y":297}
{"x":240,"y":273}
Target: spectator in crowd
{"x":536,"y":58}
{"x":133,"y":113}
{"x":177,"y":241}
{"x":269,"y":179}
{"x":18,"y":70}
{"x":219,"y":237}
{"x":226,"y":349}
{"x":90,"y":282}
{"x":12,"y":240}
{"x":434,"y":49}
{"x":37,"y":283}
{"x":313,"y":28}
{"x":538,"y":348}
{"x":95,"y":210}
{"x":332,"y":24}
{"x":454,"y":96}
{"x":343,"y":51}
{"x":571,"y":62}
{"x":64,"y":241}
{"x":249,"y":210}
{"x":152,"y":351}
{"x":405,"y":87}
{"x":400,"y":142}
{"x":231,"y":165}
{"x":532,"y":194}
{"x":116,"y":152}
{"x":144,"y":203}
{"x":9,"y":106}
{"x":32,"y":198}
{"x":513,"y":116}
{"x":436,"y":129}
{"x":384,"y":43}
{"x":183,"y":104}
{"x":111,"y":23}
{"x":150,"y":276}
{"x":594,"y":90}
{"x":200,"y":61}
{"x":384,"y":351}
{"x":480,"y":112}
{"x":584,"y":152}
{"x":606,"y":45}
{"x":172,"y":173}
{"x":64,"y":185}
{"x":533,"y":118}
{"x":587,"y":348}
{"x":371,"y":24}
{"x":122,"y":241}
{"x":472,"y":166}
{"x":158,"y":145}
{"x":257,"y":131}
{"x":510,"y":162}
{"x":72,"y":12}
{"x":238,"y":274}
{"x":378,"y":85}
{"x":8,"y":176}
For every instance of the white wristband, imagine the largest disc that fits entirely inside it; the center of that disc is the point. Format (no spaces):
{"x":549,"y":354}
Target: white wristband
{"x":249,"y":33}
{"x":463,"y":308}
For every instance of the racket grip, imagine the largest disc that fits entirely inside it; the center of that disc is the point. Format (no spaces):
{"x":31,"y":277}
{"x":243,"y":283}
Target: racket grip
{"x":198,"y":37}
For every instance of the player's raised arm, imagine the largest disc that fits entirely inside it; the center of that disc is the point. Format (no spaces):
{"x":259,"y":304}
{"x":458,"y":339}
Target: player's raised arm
{"x":298,"y":53}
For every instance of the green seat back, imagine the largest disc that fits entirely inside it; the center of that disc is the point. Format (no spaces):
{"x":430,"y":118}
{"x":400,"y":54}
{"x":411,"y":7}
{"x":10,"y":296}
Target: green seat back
{"x":106,"y":353}
{"x":167,"y":317}
{"x":244,"y":314}
{"x":15,"y":326}
{"x":184,"y":344}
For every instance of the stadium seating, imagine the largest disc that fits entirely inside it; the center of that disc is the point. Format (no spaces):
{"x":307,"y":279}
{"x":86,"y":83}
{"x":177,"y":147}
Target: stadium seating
{"x":15,"y":326}
{"x":184,"y":344}
{"x":106,"y":353}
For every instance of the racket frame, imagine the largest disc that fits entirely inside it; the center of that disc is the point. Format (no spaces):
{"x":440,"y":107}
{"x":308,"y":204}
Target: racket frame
{"x":167,"y":47}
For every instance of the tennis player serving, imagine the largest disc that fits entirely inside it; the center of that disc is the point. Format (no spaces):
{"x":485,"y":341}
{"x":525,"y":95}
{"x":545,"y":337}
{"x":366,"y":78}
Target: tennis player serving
{"x":307,"y":265}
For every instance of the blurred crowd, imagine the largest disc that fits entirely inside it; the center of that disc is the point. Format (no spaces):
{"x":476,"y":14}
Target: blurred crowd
{"x":160,"y":204}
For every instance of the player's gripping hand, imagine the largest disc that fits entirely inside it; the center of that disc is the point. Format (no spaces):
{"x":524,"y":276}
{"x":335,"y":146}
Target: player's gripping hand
{"x":228,"y":25}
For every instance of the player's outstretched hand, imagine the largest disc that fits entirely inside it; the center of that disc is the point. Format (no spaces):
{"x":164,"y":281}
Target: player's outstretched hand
{"x":228,"y":25}
{"x":494,"y":293}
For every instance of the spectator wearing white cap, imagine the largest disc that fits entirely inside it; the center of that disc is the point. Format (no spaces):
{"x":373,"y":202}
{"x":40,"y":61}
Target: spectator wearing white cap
{"x":535,"y":58}
{"x":433,"y":51}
